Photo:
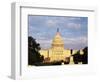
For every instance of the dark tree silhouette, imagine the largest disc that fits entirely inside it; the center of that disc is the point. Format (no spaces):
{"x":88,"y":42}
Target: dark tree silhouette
{"x":81,"y":58}
{"x":85,"y":56}
{"x":71,"y":51}
{"x":76,"y":57}
{"x":33,"y":52}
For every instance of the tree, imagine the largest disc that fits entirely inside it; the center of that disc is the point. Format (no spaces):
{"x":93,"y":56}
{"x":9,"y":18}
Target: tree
{"x":33,"y":51}
{"x":76,"y":57}
{"x":85,"y":55}
{"x":81,"y":58}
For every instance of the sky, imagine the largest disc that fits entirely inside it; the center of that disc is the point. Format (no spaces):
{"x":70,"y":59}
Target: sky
{"x":74,"y":30}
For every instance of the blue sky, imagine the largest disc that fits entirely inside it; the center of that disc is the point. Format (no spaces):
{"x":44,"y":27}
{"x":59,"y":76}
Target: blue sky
{"x":74,"y":30}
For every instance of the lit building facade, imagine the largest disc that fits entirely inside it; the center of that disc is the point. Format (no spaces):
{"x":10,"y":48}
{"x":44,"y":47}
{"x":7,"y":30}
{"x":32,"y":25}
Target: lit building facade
{"x":57,"y":52}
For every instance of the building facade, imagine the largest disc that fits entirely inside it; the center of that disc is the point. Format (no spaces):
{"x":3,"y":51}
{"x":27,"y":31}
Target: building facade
{"x":57,"y":52}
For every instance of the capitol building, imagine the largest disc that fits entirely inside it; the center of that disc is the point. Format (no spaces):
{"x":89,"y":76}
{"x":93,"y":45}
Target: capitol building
{"x":57,"y":52}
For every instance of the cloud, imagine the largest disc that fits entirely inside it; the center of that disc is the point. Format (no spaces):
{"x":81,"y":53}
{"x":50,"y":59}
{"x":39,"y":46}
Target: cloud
{"x":51,"y":23}
{"x":74,"y":28}
{"x":74,"y":25}
{"x":76,"y":42}
{"x":73,"y":18}
{"x":45,"y":43}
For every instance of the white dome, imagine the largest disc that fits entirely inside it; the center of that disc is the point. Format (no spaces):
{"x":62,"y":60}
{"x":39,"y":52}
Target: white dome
{"x":57,"y":41}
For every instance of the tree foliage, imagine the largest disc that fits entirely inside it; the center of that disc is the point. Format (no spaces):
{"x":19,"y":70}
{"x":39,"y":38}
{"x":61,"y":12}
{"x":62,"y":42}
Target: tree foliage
{"x":81,"y":58}
{"x":33,"y":52}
